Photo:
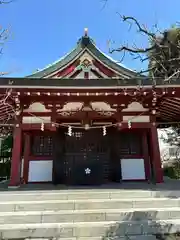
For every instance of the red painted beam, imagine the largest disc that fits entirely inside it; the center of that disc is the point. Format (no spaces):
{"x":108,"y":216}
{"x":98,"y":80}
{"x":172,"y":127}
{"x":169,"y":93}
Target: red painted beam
{"x":64,"y":99}
{"x":39,"y":114}
{"x":135,"y":125}
{"x":94,"y":113}
{"x":48,"y":127}
{"x":67,"y":70}
{"x":37,"y":126}
{"x":40,"y":158}
{"x":135,"y":113}
{"x":103,"y":69}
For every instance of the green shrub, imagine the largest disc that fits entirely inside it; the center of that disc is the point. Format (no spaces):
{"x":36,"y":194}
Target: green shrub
{"x":172,"y":171}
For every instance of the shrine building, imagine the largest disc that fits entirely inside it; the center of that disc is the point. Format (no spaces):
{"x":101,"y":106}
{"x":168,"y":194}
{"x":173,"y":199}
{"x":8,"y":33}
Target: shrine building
{"x":86,"y":119}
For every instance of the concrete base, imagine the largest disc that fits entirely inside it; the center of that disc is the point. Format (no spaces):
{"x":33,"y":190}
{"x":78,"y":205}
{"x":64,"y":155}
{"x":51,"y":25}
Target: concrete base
{"x":13,"y":187}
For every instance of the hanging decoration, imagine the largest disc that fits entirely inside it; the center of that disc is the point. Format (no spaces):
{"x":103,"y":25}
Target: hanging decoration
{"x":119,"y":124}
{"x":104,"y":131}
{"x":129,"y":124}
{"x":42,"y":126}
{"x":69,"y":131}
{"x":11,"y":111}
{"x":86,"y":126}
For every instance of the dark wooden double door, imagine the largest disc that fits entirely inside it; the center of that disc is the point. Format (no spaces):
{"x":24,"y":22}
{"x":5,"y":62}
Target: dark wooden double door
{"x":88,"y":157}
{"x":83,"y":158}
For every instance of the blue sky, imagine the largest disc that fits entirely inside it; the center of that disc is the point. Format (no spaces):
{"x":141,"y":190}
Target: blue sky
{"x":41,"y":31}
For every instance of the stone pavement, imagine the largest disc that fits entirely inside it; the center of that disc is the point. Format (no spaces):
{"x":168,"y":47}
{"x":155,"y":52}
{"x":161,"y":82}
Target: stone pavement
{"x":169,"y":184}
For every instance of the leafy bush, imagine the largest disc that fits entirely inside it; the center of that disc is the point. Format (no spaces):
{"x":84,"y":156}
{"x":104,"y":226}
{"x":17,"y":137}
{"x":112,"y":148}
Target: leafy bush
{"x":5,"y":169}
{"x":172,"y":171}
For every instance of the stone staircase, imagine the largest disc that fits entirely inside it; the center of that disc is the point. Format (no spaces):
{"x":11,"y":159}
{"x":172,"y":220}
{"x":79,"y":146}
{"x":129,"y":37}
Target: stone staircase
{"x":88,"y":214}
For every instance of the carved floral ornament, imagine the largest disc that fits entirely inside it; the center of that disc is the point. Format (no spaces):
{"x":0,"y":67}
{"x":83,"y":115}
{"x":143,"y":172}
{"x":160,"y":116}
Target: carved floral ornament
{"x":87,"y":171}
{"x":71,"y":108}
{"x":100,"y":107}
{"x":85,"y":65}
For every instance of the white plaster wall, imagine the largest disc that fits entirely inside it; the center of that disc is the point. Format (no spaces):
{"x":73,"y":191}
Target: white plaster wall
{"x":136,"y":118}
{"x":101,"y":106}
{"x":92,"y":75}
{"x":31,"y":120}
{"x":40,"y":171}
{"x":80,"y":75}
{"x":133,"y":169}
{"x":74,"y":106}
{"x":135,"y":107}
{"x":37,"y":107}
{"x":71,"y":106}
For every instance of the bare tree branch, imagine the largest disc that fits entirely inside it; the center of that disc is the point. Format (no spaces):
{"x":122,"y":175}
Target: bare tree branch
{"x":8,"y":106}
{"x":132,"y":50}
{"x":162,"y":52}
{"x":140,"y":28}
{"x":104,"y":4}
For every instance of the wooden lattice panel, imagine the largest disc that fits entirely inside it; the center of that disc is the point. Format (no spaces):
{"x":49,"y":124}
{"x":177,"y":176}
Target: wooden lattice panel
{"x":130,"y":144}
{"x":42,"y":146}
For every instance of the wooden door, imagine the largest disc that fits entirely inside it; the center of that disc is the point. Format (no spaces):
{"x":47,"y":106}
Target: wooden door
{"x":86,"y":157}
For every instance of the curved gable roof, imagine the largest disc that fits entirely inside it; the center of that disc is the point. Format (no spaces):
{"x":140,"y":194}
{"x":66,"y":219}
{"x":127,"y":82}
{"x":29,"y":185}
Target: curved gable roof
{"x":84,"y":43}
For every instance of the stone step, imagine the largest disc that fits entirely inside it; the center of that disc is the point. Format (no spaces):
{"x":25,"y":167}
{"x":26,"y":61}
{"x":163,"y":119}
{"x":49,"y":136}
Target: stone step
{"x":72,"y":195}
{"x":105,"y":230}
{"x":136,"y":237}
{"x":89,"y":215}
{"x":56,"y":205}
{"x":84,"y":194}
{"x":75,"y":238}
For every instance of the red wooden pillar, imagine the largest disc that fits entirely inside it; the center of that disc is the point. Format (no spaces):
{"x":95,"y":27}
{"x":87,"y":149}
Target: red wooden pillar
{"x":146,"y":154}
{"x":155,"y":155}
{"x":16,"y":157}
{"x":26,"y":157}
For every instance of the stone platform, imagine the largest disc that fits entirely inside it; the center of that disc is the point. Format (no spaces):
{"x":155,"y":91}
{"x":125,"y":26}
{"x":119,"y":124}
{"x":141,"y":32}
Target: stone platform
{"x":110,"y":212}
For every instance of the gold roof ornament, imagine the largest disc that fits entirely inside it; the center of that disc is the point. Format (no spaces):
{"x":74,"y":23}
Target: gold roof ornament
{"x":85,"y":32}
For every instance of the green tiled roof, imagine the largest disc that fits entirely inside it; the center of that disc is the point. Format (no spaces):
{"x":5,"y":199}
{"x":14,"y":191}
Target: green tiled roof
{"x":84,"y":42}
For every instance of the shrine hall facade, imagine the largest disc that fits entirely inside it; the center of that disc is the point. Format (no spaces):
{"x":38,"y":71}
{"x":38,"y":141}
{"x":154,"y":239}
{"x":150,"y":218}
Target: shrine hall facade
{"x":87,"y":120}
